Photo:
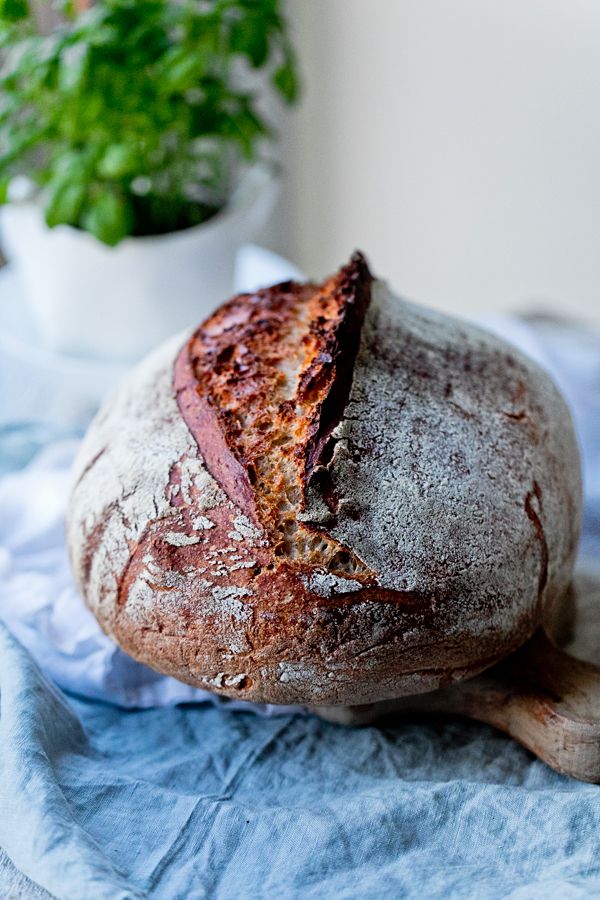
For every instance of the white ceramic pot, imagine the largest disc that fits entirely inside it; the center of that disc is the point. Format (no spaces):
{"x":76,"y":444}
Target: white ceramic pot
{"x":119,"y":302}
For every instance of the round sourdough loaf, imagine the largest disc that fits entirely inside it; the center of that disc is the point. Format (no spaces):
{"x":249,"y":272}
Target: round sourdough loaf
{"x":327,"y":495}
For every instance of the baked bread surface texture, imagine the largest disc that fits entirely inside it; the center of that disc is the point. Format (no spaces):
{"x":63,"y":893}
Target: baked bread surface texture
{"x":327,"y":496}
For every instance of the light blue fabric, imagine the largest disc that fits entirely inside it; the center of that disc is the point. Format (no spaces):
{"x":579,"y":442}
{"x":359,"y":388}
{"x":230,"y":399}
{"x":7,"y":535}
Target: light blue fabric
{"x":199,"y":802}
{"x":194,"y":801}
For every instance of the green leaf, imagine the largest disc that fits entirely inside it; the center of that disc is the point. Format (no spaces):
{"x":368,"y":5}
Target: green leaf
{"x":118,"y":161}
{"x":108,"y":218}
{"x":65,"y":203}
{"x":69,"y":166}
{"x":182,"y":74}
{"x":286,"y":82}
{"x":14,"y":10}
{"x":249,"y":37}
{"x":67,"y":8}
{"x":73,"y":67}
{"x":4,"y":186}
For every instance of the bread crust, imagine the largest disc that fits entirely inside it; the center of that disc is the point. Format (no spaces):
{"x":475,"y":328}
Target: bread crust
{"x":327,"y":496}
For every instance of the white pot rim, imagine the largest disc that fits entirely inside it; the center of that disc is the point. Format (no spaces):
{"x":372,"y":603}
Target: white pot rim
{"x":118,"y":302}
{"x":257,"y":179}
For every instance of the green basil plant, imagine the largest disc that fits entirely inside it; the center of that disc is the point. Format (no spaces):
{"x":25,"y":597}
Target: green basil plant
{"x":131,"y":116}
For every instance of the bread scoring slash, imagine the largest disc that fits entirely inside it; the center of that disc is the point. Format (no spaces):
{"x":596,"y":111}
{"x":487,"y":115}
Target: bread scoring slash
{"x":327,"y":495}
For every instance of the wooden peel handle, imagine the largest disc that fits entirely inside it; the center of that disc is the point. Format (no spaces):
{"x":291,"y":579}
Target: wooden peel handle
{"x":545,"y":699}
{"x":542,"y":697}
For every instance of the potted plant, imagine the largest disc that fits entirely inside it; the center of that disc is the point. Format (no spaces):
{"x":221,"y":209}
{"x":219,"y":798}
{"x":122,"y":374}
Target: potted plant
{"x":133,"y":125}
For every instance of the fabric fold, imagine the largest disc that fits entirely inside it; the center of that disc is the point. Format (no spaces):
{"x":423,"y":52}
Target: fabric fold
{"x":38,"y":728}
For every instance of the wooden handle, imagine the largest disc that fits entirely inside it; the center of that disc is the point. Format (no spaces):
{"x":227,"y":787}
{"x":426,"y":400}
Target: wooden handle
{"x":544,"y":698}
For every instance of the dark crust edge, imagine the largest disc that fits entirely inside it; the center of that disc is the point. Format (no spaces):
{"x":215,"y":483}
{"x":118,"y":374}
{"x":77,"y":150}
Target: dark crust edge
{"x":354,"y":290}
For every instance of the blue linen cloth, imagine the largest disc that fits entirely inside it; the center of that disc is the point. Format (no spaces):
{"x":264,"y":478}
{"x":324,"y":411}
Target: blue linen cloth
{"x":195,"y":801}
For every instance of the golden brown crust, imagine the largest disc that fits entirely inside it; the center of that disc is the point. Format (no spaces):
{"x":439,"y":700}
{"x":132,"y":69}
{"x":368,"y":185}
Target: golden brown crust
{"x":261,"y":385}
{"x":272,"y":370}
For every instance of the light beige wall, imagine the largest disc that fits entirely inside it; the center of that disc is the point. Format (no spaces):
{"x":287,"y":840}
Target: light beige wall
{"x":457,"y":142}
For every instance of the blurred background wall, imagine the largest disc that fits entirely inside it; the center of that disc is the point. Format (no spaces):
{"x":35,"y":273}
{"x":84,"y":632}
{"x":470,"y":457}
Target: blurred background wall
{"x":457,"y":143}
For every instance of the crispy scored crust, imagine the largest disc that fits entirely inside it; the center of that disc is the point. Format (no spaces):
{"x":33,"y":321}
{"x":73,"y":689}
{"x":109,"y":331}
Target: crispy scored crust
{"x":327,"y":496}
